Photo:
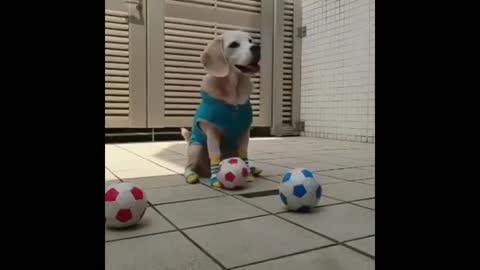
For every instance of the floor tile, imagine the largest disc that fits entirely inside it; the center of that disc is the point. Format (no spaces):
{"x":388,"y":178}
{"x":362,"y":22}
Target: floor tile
{"x":269,"y":169}
{"x":176,"y":165}
{"x":180,"y":193}
{"x":342,"y":222}
{"x":324,"y":180}
{"x":136,"y":173}
{"x":208,"y":211}
{"x":246,"y":241}
{"x":159,"y":181}
{"x":347,"y":162}
{"x":350,"y":174}
{"x":367,"y":203}
{"x":366,"y":245}
{"x":151,"y":223}
{"x":111,"y":182}
{"x":349,"y":191}
{"x":330,"y":258}
{"x":256,"y":186}
{"x":261,"y":156}
{"x":318,"y":166}
{"x":287,"y":162}
{"x":367,"y":181}
{"x":164,"y":251}
{"x":151,"y":149}
{"x":109,"y":176}
{"x":272,"y":203}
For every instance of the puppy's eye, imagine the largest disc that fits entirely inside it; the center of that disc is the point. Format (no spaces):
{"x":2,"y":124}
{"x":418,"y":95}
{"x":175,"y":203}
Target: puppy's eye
{"x":250,"y":40}
{"x":233,"y":45}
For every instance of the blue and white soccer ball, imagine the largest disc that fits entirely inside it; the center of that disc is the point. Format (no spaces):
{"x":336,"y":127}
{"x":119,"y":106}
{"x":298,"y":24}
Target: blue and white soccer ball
{"x":299,"y":190}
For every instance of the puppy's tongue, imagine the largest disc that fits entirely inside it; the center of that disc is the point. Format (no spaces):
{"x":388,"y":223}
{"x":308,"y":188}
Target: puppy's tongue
{"x":249,"y":68}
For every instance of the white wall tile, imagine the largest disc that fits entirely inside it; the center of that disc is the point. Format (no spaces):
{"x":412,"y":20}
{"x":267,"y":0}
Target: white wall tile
{"x":338,"y":70}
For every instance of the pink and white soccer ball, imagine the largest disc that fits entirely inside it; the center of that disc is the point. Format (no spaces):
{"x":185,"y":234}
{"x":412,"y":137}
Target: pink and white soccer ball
{"x":125,"y":205}
{"x":233,"y":173}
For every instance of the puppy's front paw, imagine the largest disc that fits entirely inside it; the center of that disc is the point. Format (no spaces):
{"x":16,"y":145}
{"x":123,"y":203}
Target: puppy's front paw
{"x":191,"y":177}
{"x":214,"y":182}
{"x":255,"y":171}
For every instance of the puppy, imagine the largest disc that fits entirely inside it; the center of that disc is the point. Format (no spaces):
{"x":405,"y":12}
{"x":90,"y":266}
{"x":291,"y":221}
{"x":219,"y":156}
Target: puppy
{"x":221,"y":126}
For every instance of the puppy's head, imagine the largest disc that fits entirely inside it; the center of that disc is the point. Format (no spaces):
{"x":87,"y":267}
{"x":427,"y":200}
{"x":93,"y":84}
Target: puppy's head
{"x":233,"y":49}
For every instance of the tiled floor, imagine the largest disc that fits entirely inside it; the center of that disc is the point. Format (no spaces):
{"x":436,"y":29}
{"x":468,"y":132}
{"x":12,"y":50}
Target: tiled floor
{"x":195,"y":227}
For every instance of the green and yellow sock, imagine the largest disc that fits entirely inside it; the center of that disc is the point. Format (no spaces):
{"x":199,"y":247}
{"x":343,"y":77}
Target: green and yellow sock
{"x":253,"y":170}
{"x":214,"y":168}
{"x":191,"y":176}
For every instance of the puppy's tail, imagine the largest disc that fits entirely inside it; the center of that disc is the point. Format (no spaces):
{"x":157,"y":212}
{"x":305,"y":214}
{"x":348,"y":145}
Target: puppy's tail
{"x":185,"y":134}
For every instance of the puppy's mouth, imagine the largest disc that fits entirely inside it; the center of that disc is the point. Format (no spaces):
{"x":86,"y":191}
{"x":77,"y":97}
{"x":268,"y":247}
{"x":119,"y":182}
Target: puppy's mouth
{"x":249,"y":69}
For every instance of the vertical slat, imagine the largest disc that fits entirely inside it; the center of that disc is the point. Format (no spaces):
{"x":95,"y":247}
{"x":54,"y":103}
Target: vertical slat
{"x":156,"y":68}
{"x":297,"y":63}
{"x":266,"y":83}
{"x":138,"y":68}
{"x":117,"y":97}
{"x":182,"y":29}
{"x":277,"y":63}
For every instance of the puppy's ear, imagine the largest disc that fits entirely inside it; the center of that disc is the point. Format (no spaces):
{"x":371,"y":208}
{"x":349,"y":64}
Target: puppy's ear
{"x":213,"y":59}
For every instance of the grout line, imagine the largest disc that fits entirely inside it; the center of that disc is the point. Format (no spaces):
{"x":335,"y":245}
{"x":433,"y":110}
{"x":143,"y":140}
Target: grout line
{"x":151,"y":161}
{"x":335,"y":242}
{"x":114,"y":174}
{"x":283,"y":256}
{"x":190,"y":239}
{"x":358,"y":238}
{"x":227,"y":221}
{"x":351,"y":202}
{"x":138,"y":236}
{"x":305,"y":228}
{"x":183,"y":201}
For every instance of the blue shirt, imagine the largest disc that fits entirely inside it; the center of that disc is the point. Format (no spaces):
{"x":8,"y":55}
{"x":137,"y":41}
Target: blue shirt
{"x":233,"y":121}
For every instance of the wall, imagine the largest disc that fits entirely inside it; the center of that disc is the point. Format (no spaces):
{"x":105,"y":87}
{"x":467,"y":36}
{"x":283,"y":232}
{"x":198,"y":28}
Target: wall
{"x":338,"y":70}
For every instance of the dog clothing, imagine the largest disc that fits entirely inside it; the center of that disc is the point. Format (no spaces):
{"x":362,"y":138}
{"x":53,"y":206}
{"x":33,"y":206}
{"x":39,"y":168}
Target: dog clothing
{"x":232,"y":120}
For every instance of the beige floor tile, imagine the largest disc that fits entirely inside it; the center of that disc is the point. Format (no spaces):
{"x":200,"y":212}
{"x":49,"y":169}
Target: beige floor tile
{"x":367,"y":203}
{"x":324,"y":180}
{"x":137,"y":173}
{"x":367,"y":181}
{"x":111,"y":182}
{"x":342,"y":222}
{"x":109,"y":176}
{"x":330,"y":258}
{"x":366,"y":245}
{"x":148,"y":149}
{"x":246,"y":241}
{"x":208,"y":211}
{"x":180,"y":193}
{"x":269,"y":169}
{"x":163,"y":252}
{"x":256,"y":186}
{"x":151,"y":223}
{"x":318,"y":166}
{"x":350,"y":174}
{"x":159,"y":181}
{"x":349,"y":191}
{"x":273,"y":204}
{"x":176,"y":165}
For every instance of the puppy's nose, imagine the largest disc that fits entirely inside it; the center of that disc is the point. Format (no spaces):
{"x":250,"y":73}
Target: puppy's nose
{"x":255,"y":49}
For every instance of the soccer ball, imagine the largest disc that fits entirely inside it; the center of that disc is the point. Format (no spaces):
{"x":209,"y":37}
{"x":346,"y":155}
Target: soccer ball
{"x":233,"y":173}
{"x":299,"y":190}
{"x":125,"y":205}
